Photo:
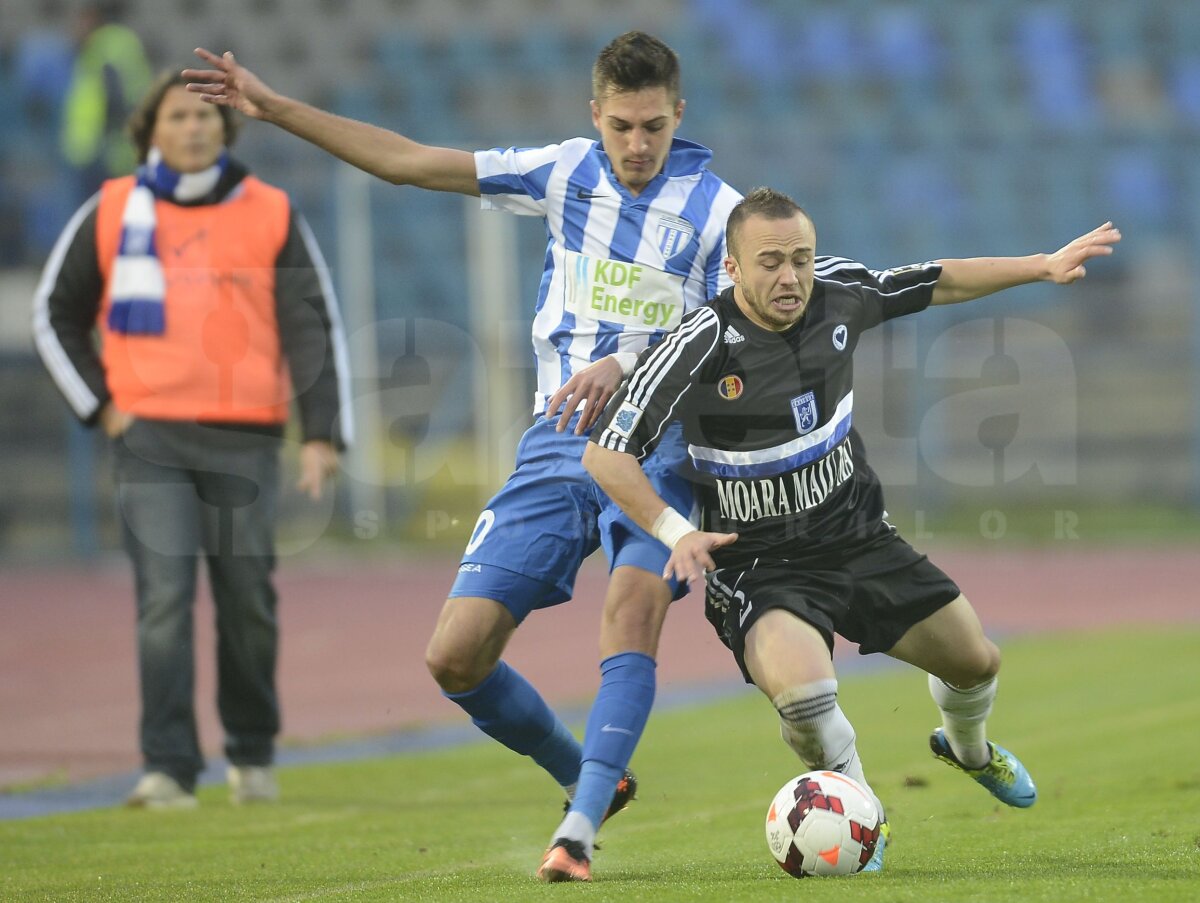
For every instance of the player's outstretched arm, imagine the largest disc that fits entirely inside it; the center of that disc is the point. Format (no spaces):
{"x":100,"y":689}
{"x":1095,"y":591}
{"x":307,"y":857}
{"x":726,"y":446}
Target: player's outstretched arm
{"x":974,"y":277}
{"x":621,"y":477}
{"x":382,"y":153}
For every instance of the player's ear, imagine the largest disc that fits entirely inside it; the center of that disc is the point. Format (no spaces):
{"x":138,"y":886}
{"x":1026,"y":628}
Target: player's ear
{"x":595,"y":114}
{"x":679,"y":105}
{"x":731,"y":267}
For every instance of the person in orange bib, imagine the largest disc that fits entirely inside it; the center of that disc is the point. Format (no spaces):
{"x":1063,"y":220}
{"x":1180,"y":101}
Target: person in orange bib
{"x":214,"y":312}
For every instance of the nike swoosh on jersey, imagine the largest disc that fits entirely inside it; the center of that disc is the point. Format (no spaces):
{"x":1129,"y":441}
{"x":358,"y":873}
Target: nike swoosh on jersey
{"x":608,"y":728}
{"x":588,"y":195}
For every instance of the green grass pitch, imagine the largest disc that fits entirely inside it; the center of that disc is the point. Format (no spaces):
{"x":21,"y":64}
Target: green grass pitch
{"x":1108,"y":724}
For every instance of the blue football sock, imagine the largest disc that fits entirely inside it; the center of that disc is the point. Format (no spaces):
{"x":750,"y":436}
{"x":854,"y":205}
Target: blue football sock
{"x":614,"y":727}
{"x":507,"y":708}
{"x":597,"y":783}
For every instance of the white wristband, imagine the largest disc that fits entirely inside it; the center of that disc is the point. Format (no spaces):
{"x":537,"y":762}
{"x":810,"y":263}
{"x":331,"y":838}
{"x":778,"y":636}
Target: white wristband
{"x":626,"y":360}
{"x":670,"y":527}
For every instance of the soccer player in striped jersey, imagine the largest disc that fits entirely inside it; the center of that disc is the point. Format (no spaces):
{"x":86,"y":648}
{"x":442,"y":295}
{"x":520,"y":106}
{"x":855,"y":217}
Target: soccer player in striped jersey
{"x":635,"y":238}
{"x":794,"y":533}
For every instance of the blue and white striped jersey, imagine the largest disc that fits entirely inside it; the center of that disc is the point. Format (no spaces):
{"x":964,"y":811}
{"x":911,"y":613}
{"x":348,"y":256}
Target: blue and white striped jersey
{"x":620,"y":271}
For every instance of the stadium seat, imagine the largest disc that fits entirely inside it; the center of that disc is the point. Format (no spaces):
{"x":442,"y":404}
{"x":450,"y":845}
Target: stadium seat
{"x":1054,"y":56}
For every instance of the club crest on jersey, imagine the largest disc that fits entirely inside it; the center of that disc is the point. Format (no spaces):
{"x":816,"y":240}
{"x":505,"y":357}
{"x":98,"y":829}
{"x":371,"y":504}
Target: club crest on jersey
{"x":626,"y":419}
{"x":804,"y":409}
{"x":730,"y":387}
{"x":673,"y":234}
{"x":840,"y":334}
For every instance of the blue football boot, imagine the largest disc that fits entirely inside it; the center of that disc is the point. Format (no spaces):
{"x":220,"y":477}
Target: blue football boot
{"x":875,"y":863}
{"x":1004,"y":776}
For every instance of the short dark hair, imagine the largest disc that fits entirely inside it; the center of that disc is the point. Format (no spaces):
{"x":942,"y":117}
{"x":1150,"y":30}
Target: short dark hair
{"x":765,"y":202}
{"x":633,"y":61}
{"x":143,"y":118}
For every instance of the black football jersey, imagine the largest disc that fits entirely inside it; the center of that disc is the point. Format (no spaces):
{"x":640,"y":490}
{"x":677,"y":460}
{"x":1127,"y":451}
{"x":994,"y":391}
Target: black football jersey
{"x":769,"y":416}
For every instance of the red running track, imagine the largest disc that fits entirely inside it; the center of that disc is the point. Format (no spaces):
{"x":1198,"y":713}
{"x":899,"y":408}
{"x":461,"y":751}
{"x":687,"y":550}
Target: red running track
{"x":352,"y":656}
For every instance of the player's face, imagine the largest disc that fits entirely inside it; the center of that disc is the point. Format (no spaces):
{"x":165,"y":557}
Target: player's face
{"x":773,"y":272}
{"x":187,"y":131}
{"x":636,"y":128}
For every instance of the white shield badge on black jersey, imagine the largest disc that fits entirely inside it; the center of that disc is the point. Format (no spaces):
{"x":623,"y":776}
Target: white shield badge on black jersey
{"x":626,"y":419}
{"x":804,"y":409}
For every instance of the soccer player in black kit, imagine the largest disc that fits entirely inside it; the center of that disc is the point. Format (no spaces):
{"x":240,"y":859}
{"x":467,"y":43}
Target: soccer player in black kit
{"x":793,"y":532}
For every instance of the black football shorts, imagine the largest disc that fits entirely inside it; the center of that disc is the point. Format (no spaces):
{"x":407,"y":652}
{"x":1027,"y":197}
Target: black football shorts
{"x":871,"y":598}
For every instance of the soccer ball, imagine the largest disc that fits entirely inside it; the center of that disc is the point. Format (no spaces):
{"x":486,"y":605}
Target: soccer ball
{"x":822,"y":823}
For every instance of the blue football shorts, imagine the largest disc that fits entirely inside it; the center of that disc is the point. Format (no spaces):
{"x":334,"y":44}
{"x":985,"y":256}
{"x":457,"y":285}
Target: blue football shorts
{"x":528,"y":544}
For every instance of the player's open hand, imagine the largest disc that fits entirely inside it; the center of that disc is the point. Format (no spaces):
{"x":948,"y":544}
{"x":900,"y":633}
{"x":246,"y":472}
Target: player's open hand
{"x":691,"y":556}
{"x":229,"y":84}
{"x":1067,"y":264}
{"x":595,"y":385}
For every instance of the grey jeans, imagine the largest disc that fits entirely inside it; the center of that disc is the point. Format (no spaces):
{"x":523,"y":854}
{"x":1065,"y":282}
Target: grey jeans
{"x":184,"y":490}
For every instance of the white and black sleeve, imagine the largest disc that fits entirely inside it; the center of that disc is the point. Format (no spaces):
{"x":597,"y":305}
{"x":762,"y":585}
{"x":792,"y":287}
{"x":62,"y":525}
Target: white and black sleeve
{"x":639,"y":414}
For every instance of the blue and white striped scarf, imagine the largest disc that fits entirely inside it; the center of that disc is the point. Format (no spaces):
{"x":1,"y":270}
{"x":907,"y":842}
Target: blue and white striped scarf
{"x":137,"y":280}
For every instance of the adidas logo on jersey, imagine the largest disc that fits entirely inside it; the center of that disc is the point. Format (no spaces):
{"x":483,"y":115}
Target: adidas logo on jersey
{"x":732,"y":336}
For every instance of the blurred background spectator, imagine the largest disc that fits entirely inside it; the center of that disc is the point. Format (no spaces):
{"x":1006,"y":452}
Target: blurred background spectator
{"x":109,"y":75}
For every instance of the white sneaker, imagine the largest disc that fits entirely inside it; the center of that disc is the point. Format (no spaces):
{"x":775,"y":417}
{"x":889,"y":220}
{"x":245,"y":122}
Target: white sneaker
{"x":156,"y":790}
{"x":252,"y":784}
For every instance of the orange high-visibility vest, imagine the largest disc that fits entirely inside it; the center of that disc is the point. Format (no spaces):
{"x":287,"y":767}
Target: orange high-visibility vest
{"x":219,"y":357}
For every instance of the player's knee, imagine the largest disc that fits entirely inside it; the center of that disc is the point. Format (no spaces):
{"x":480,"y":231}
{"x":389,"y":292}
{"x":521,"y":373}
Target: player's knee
{"x":633,"y":620}
{"x":454,"y":671}
{"x":976,"y":666}
{"x":632,"y":613}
